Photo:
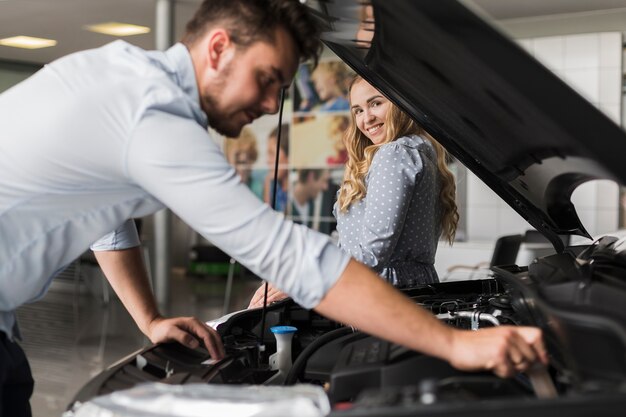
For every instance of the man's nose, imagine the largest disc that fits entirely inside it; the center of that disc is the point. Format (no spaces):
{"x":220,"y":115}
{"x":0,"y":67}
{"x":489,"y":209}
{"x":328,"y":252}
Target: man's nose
{"x":270,"y":103}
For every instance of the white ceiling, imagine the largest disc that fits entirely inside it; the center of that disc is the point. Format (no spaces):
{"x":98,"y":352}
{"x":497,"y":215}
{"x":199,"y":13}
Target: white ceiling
{"x":63,"y":20}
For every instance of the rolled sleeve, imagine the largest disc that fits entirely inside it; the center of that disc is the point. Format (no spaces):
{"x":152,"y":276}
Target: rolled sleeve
{"x":124,"y":237}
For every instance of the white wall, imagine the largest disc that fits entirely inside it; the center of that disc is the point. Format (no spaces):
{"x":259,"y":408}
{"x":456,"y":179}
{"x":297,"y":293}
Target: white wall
{"x":591,"y":64}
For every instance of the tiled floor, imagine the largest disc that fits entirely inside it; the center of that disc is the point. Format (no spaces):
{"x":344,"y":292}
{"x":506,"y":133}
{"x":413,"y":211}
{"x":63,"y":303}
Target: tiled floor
{"x":70,"y":336}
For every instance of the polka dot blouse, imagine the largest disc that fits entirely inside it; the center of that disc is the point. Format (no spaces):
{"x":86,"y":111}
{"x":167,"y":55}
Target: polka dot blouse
{"x":394,"y":229}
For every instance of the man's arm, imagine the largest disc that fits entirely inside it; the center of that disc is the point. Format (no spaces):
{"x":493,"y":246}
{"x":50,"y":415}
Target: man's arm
{"x":126,"y":272}
{"x":199,"y":185}
{"x":360,"y":298}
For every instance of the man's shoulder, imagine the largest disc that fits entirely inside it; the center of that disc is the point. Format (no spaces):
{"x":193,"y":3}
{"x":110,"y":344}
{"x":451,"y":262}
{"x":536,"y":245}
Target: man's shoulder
{"x":121,"y":68}
{"x":115,"y":48}
{"x":119,"y":59}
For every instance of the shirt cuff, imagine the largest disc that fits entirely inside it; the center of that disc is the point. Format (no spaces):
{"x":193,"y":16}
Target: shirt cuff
{"x":124,"y":237}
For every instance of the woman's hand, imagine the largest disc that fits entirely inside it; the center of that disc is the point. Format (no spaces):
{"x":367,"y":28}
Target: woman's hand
{"x":273,"y":294}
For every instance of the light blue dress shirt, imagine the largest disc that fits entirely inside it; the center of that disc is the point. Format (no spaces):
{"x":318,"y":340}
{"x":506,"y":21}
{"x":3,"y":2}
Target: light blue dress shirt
{"x":395,"y":228}
{"x":105,"y":135}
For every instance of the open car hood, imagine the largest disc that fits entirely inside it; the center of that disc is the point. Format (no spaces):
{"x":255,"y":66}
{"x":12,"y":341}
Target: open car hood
{"x":529,"y":136}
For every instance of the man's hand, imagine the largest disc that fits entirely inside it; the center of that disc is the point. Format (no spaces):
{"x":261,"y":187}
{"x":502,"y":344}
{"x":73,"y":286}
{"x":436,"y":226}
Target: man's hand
{"x":188,"y":331}
{"x":126,"y":272}
{"x":273,"y":294}
{"x":503,"y":350}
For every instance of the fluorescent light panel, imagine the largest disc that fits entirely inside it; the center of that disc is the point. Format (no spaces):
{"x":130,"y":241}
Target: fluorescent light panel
{"x":118,"y":29}
{"x":27,"y":42}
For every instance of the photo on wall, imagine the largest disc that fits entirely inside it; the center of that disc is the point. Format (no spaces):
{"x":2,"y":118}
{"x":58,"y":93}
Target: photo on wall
{"x":253,"y":155}
{"x":311,"y":155}
{"x":318,"y":140}
{"x":323,"y":88}
{"x":312,"y":195}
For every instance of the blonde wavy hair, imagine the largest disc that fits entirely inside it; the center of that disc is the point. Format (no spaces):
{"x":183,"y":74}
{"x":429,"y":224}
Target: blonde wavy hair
{"x":361,"y":152}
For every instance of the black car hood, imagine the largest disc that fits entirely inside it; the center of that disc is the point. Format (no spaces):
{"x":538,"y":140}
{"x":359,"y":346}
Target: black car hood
{"x":517,"y":126}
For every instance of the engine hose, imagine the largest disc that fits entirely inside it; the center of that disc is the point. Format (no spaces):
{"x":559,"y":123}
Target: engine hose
{"x":303,"y":357}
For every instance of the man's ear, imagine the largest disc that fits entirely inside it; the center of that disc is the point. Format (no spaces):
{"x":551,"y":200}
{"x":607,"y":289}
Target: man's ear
{"x":218,"y":47}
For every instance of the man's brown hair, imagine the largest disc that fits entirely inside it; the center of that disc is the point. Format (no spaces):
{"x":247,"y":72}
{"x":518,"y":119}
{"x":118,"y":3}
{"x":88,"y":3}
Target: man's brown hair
{"x":249,"y":21}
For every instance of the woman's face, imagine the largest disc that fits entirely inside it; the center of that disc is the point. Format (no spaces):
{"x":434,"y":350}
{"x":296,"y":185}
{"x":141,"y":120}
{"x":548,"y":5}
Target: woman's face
{"x":370,"y":109}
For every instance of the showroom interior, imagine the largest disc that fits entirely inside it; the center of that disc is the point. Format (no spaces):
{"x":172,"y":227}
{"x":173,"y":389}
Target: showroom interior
{"x":80,"y":327}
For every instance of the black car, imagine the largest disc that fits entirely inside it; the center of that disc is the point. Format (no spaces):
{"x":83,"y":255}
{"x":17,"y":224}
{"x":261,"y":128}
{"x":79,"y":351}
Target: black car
{"x":532,"y":140}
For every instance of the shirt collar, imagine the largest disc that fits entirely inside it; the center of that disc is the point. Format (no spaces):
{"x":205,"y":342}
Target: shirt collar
{"x":180,"y":58}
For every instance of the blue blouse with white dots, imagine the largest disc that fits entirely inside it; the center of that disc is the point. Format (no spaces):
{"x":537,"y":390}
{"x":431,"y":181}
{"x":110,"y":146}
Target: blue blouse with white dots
{"x":395,"y":228}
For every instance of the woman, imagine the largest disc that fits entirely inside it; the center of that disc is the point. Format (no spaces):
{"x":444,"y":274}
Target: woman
{"x":397,"y":196}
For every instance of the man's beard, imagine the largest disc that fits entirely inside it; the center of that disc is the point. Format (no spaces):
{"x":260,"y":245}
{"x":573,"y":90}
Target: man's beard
{"x":218,"y":120}
{"x":221,"y":126}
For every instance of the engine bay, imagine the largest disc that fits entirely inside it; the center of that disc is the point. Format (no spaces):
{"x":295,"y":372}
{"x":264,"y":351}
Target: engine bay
{"x":364,"y":375}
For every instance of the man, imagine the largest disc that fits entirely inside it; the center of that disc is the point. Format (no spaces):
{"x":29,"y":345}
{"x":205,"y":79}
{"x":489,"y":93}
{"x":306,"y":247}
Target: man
{"x":308,"y":186}
{"x":109,"y":134}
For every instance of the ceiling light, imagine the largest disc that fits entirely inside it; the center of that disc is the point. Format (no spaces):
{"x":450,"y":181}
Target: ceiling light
{"x":118,"y":29}
{"x":27,"y":42}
